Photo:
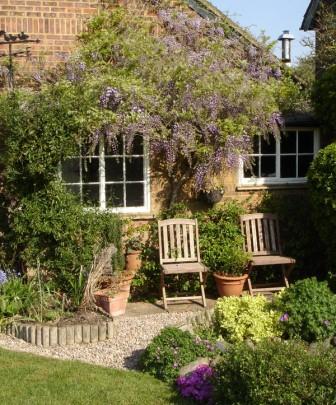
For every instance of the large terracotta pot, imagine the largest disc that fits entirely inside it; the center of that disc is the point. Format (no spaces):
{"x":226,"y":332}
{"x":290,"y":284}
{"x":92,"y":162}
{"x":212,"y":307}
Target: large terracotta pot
{"x":228,"y":286}
{"x":115,"y":305}
{"x":133,"y":261}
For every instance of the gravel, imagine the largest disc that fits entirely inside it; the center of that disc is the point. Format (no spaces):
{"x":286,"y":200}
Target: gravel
{"x":131,"y":336}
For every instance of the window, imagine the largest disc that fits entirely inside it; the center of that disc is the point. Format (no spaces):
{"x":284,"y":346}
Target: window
{"x":281,"y":161}
{"x":111,"y":180}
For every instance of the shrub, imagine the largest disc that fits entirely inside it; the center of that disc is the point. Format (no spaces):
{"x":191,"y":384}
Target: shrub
{"x":51,"y":229}
{"x":245,"y":318}
{"x":171,"y":350}
{"x":309,"y":310}
{"x":197,"y":385}
{"x":276,"y":373}
{"x":221,"y":241}
{"x":322,"y":182}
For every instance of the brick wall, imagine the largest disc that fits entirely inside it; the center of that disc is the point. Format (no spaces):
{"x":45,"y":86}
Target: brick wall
{"x":55,"y":22}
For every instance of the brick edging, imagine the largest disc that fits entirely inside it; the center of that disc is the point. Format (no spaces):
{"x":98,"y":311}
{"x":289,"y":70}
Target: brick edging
{"x":51,"y":335}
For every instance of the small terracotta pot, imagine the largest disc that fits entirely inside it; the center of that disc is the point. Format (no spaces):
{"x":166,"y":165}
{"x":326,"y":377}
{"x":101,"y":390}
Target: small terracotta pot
{"x":133,"y":261}
{"x":228,"y":286}
{"x":115,"y":305}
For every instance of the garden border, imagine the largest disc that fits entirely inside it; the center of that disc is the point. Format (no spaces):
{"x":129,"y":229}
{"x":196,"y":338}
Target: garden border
{"x":66,"y":335}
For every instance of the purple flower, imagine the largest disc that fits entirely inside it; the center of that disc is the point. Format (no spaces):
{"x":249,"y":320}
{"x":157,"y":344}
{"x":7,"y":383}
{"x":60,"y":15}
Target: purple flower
{"x":284,"y":317}
{"x":197,"y":384}
{"x":3,"y":277}
{"x":110,"y":98}
{"x":326,"y":323}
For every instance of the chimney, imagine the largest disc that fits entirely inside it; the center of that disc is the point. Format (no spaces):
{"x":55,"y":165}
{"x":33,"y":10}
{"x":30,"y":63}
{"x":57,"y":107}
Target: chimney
{"x":286,"y":38}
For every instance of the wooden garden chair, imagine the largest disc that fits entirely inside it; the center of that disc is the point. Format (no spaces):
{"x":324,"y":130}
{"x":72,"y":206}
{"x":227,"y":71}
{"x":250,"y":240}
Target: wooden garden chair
{"x":179,"y":254}
{"x":262,"y":240}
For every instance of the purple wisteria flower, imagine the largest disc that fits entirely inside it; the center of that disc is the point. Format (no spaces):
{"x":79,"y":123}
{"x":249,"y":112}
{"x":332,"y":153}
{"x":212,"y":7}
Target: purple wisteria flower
{"x":197,"y":384}
{"x":3,"y":277}
{"x":284,"y":317}
{"x":110,"y":98}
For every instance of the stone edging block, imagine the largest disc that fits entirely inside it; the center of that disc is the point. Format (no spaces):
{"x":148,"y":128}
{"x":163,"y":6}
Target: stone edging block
{"x":46,"y":336}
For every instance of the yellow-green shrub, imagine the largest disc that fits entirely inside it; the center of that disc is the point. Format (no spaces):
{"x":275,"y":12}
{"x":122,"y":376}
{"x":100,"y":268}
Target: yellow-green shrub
{"x":247,"y":317}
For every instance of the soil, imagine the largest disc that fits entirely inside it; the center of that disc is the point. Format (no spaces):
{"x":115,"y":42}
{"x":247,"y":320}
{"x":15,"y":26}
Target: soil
{"x":87,"y":317}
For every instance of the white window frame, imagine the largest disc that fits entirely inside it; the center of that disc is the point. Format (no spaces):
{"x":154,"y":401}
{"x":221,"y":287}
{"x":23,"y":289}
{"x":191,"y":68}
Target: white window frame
{"x":277,"y":180}
{"x":102,"y":180}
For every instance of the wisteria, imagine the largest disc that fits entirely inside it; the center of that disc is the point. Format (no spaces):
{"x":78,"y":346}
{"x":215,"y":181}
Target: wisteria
{"x":110,"y":98}
{"x":3,"y":277}
{"x":196,"y":91}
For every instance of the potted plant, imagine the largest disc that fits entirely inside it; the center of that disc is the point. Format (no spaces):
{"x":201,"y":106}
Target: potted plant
{"x":231,"y":271}
{"x":133,"y":254}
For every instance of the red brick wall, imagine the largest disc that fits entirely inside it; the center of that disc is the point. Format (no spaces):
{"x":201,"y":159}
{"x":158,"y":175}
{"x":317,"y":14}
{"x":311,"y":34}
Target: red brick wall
{"x":55,"y":22}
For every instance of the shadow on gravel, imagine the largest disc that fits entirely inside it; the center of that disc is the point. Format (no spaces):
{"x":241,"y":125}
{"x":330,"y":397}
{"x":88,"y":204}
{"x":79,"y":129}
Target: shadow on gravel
{"x":132,"y":362}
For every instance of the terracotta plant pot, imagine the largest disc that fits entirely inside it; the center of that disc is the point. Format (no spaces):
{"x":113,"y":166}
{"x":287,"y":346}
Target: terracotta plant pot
{"x":228,"y":286}
{"x":133,"y":261}
{"x":115,"y":305}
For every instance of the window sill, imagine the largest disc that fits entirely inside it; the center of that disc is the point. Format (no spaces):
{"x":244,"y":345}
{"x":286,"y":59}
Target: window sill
{"x":283,"y":186}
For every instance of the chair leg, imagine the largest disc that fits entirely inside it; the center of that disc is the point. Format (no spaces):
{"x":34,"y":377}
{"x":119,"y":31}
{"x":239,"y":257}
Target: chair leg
{"x":202,"y":289}
{"x":249,"y":282}
{"x":286,"y":272}
{"x":164,"y":297}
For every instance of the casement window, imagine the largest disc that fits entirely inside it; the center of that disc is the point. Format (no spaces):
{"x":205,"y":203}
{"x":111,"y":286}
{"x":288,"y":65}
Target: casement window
{"x":281,"y":160}
{"x":113,"y":180}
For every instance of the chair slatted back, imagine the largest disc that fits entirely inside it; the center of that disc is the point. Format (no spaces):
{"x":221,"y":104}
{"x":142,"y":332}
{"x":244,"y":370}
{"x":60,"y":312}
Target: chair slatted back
{"x":262,"y":234}
{"x":178,"y":240}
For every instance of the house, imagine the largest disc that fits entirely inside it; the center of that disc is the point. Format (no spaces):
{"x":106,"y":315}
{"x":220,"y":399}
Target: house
{"x":280,"y":166}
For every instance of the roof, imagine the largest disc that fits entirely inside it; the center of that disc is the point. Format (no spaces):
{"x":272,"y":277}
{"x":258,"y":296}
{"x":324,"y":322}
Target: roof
{"x":308,"y":19}
{"x":308,"y":22}
{"x":301,"y":119}
{"x":207,"y":10}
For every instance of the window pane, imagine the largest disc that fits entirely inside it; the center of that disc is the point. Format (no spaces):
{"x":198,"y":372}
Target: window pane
{"x":134,"y":195}
{"x":254,"y":170}
{"x":90,"y":170}
{"x":114,"y":195}
{"x":70,"y":171}
{"x":303,"y":165}
{"x":288,"y":142}
{"x":268,"y":145}
{"x":268,"y":166}
{"x":74,"y":189}
{"x":134,"y":169}
{"x":306,"y":142}
{"x":91,"y":195}
{"x":113,"y":169}
{"x":137,"y":148}
{"x":288,"y":166}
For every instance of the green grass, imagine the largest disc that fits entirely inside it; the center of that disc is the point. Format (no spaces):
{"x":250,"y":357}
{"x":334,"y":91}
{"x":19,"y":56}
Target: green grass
{"x":28,"y":379}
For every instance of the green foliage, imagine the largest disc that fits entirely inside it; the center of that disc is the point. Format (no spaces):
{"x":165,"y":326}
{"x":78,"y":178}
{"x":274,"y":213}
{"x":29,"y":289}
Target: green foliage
{"x":299,"y":236}
{"x":276,"y":373}
{"x":28,"y":300}
{"x":324,"y":97}
{"x":50,"y":228}
{"x":221,"y":241}
{"x":310,"y":309}
{"x":237,"y":319}
{"x":171,"y":350}
{"x":322,"y":182}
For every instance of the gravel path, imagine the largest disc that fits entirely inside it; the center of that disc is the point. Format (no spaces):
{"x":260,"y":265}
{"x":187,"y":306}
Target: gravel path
{"x":132,"y":335}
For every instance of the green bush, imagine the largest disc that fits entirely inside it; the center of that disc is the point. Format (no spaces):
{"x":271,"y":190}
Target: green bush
{"x":221,"y":241}
{"x":237,"y":319}
{"x":51,"y":229}
{"x":171,"y":350}
{"x":309,"y":310}
{"x":299,"y":234}
{"x":322,"y":182}
{"x":276,"y":373}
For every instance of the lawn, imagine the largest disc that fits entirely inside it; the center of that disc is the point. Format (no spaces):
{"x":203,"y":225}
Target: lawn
{"x":28,"y":379}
